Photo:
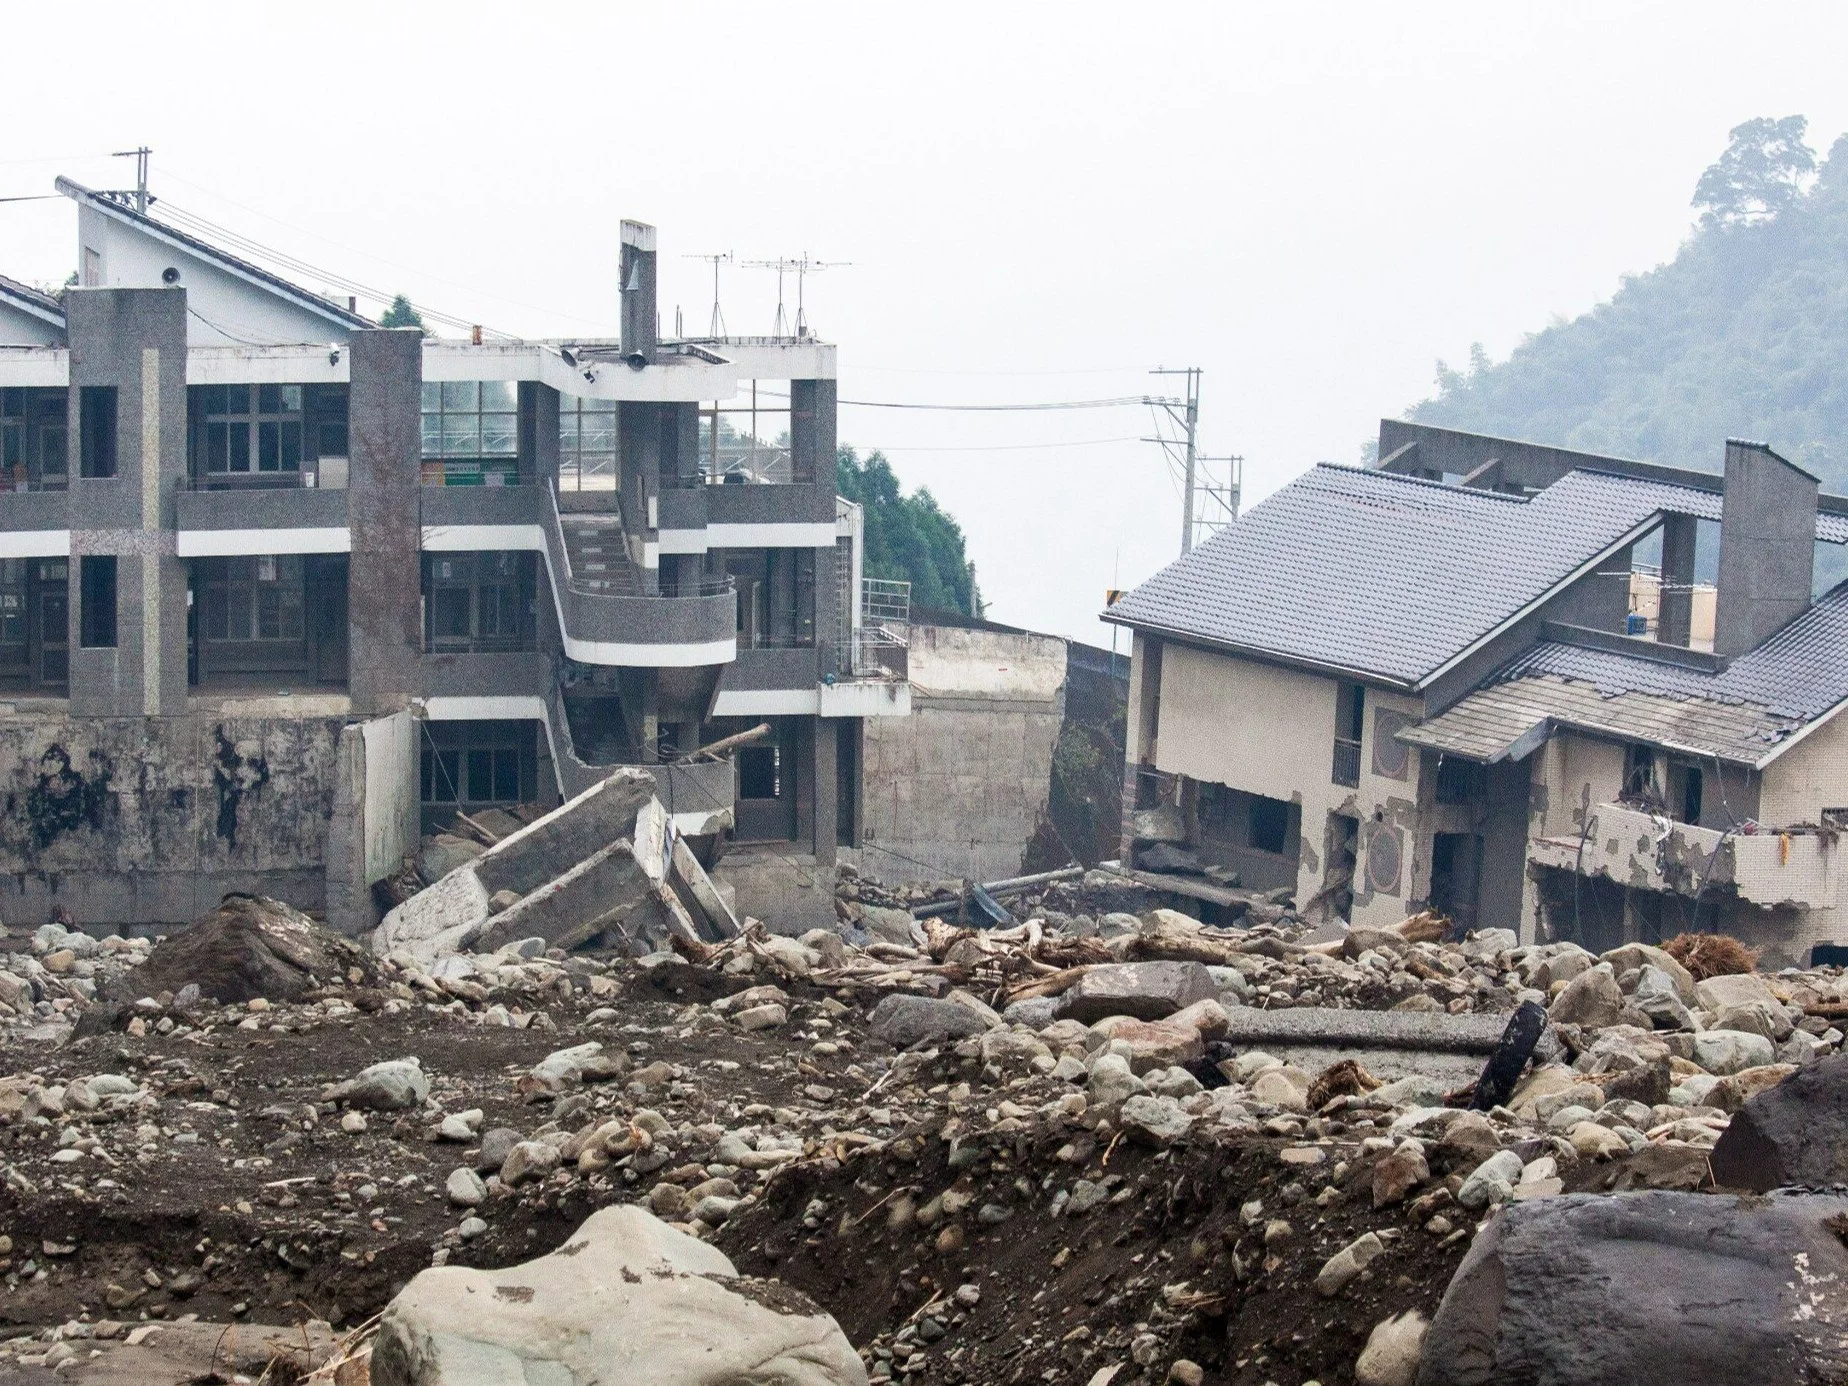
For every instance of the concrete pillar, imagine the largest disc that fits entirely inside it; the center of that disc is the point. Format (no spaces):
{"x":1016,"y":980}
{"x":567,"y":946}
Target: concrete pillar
{"x":1675,"y":612}
{"x":826,"y":791}
{"x":1767,"y":546}
{"x":639,"y":312}
{"x":134,"y":342}
{"x":639,"y":431}
{"x":813,"y":424}
{"x":384,"y":578}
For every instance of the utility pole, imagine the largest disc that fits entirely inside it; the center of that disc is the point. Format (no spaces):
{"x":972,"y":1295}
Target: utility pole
{"x":718,"y":319}
{"x":1185,"y":414}
{"x":140,"y":156}
{"x":801,"y":266}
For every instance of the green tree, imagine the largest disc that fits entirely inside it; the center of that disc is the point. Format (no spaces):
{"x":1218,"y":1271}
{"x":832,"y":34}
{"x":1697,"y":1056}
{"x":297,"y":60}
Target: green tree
{"x":402,"y":314}
{"x":909,"y":538}
{"x":1761,"y":173}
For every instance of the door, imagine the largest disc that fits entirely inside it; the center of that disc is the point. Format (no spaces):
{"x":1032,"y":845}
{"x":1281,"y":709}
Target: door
{"x":54,"y":625}
{"x":1455,"y":875}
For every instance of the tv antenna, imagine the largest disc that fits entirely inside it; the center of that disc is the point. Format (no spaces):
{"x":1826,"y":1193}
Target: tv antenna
{"x":801,"y":266}
{"x":141,"y":157}
{"x":715,"y":260}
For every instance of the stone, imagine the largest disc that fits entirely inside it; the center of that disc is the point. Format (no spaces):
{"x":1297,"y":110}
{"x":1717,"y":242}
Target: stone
{"x":457,"y":1127}
{"x":1648,"y":1084}
{"x":1793,"y":1133}
{"x":1282,"y":1087}
{"x":392,"y":1085}
{"x":1417,"y":1090}
{"x":903,"y":1021}
{"x":627,"y":1298}
{"x":353,"y":1123}
{"x":1144,"y":990}
{"x":1112,"y":1082}
{"x":1339,"y":1271}
{"x":1011,"y":1048}
{"x":1155,"y":1121}
{"x":1736,"y":989}
{"x":1722,"y":1052}
{"x":583,"y":1063}
{"x":1646,"y":958}
{"x":1487,"y":944}
{"x":1595,"y":1142}
{"x":1734,"y":1091}
{"x":1754,"y":1019}
{"x":528,"y":1160}
{"x":1646,"y":1289}
{"x":466,"y":1189}
{"x":889,"y":925}
{"x":496,"y":1145}
{"x":1398,"y":1173}
{"x":766,"y":1017}
{"x":1393,"y":1351}
{"x":1492,"y":1181}
{"x":1153,"y":1043}
{"x":1182,"y":1372}
{"x":1591,"y":999}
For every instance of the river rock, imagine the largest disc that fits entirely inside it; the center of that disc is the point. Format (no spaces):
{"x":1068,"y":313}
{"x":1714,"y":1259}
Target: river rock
{"x":1145,"y":990}
{"x":389,"y":1086}
{"x":1793,"y":1133}
{"x":1646,"y":1289}
{"x":627,"y":1298}
{"x":1591,"y":999}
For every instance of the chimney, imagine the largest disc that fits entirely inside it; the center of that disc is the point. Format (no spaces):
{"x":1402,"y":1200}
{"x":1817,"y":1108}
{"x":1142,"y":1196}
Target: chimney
{"x":638,"y":289}
{"x":1767,"y":546}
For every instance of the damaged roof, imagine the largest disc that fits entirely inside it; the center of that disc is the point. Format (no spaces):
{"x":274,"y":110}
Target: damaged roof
{"x":1393,"y":577}
{"x":1743,"y":713}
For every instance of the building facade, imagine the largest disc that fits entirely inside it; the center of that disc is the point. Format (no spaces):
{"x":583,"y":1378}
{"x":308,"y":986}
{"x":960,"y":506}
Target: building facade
{"x":1428,"y":684}
{"x":240,"y":524}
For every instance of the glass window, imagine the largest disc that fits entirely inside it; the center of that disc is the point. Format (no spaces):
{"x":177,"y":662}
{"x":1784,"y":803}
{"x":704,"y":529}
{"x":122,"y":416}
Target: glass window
{"x":249,"y":599}
{"x":233,"y":431}
{"x":466,"y":419}
{"x":587,"y":444}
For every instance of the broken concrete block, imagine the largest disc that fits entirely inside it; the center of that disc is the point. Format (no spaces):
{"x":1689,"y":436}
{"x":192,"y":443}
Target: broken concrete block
{"x":1144,"y":990}
{"x":1163,"y":823}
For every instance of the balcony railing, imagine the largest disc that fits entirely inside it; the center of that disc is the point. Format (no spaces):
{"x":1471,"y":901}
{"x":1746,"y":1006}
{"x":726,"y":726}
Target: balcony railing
{"x":1347,"y":762}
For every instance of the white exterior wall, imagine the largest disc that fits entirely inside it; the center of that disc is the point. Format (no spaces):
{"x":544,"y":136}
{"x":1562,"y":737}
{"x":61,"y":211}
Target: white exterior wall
{"x":20,"y":328}
{"x":1271,"y":731}
{"x":1808,"y":778}
{"x":224,"y":310}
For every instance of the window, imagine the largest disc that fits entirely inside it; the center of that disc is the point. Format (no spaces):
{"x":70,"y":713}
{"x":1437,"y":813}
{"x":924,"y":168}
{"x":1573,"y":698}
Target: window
{"x":1638,"y":771}
{"x":587,"y":444}
{"x":1270,"y":824}
{"x":1350,"y":715}
{"x":1459,"y":781}
{"x":96,"y":406}
{"x":760,"y":772}
{"x":471,"y":432}
{"x":477,"y":601}
{"x":98,"y":617}
{"x":1690,"y":795}
{"x":252,"y":599}
{"x":251,"y":428}
{"x":747,"y":440}
{"x":471,"y":764}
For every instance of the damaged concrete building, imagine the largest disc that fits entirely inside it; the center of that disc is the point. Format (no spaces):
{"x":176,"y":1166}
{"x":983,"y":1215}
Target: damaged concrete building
{"x":280,"y":589}
{"x":1427,"y":684}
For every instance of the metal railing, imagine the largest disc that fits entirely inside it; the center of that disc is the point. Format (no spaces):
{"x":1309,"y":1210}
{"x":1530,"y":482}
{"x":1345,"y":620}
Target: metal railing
{"x":1347,"y":762}
{"x":253,"y":481}
{"x":880,"y":643}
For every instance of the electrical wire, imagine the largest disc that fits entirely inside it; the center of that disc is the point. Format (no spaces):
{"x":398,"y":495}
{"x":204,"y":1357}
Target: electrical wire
{"x":1010,"y":447}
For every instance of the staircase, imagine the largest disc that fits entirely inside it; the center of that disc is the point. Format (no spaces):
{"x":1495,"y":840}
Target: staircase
{"x":599,"y":559}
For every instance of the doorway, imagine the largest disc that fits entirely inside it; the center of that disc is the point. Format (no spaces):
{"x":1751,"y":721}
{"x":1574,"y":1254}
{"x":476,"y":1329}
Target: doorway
{"x":1456,"y":873}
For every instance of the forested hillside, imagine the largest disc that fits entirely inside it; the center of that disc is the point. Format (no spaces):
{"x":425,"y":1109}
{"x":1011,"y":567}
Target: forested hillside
{"x":909,"y":537}
{"x":1743,"y":334}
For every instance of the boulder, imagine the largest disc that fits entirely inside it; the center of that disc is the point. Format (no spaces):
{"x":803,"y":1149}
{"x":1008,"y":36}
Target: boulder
{"x":1646,"y":1289}
{"x":250,"y":946}
{"x":1393,"y":1350}
{"x":1155,"y":1121}
{"x":1153,"y":1043}
{"x":1793,"y":1133}
{"x":390,"y":1086}
{"x":902,"y":1021}
{"x":1734,"y":989}
{"x":1591,"y":999}
{"x":1729,"y":1051}
{"x":889,"y":925}
{"x":1643,"y":956}
{"x":1144,"y":990}
{"x":627,"y":1298}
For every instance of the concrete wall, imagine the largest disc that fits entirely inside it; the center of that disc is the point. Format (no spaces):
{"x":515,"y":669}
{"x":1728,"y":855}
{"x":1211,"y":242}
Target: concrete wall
{"x":957,"y":788}
{"x":1767,"y":546}
{"x":148,"y":821}
{"x":385,"y":582}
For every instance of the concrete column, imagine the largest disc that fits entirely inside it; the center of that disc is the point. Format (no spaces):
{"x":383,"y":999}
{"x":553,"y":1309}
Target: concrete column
{"x":813,"y":423}
{"x":1675,"y":613}
{"x":539,"y":433}
{"x":639,"y":312}
{"x":1767,"y":546}
{"x":827,"y":792}
{"x":133,"y":341}
{"x":384,"y":578}
{"x":639,"y":430}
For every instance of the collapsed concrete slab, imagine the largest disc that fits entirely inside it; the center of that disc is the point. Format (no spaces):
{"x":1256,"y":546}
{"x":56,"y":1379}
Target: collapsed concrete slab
{"x":609,"y":861}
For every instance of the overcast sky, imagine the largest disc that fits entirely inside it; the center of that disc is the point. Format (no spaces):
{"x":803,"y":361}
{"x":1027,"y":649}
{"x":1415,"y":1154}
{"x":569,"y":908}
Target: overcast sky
{"x":1314,"y":203}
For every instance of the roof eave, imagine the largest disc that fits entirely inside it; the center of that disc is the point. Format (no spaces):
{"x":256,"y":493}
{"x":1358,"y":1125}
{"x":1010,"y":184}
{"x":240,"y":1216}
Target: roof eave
{"x":1264,"y":656}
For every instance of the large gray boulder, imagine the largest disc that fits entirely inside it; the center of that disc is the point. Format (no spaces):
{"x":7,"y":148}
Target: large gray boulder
{"x":627,"y":1298}
{"x":1647,"y":1289}
{"x":1794,"y":1133}
{"x":902,"y":1021}
{"x":1145,"y":990}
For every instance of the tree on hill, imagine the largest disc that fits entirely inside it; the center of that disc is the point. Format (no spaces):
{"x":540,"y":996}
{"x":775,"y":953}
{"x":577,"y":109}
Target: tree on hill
{"x":1743,"y":334}
{"x":402,"y":314}
{"x":909,"y":538}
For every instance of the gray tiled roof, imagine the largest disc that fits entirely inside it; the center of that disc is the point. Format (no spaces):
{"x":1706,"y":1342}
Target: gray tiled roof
{"x":26,"y":294}
{"x":1391,"y":576}
{"x":1741,"y":713}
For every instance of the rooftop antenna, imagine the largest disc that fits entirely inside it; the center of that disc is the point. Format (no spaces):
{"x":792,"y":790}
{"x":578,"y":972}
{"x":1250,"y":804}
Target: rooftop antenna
{"x":718,"y":319}
{"x":140,"y":156}
{"x":801,"y":266}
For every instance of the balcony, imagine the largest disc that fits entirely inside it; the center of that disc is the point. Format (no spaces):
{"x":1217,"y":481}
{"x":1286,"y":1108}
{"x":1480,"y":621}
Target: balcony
{"x":1648,"y":852}
{"x":261,"y":518}
{"x":1347,"y":763}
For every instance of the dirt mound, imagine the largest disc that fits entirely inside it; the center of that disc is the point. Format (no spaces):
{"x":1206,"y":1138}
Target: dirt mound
{"x":250,"y":946}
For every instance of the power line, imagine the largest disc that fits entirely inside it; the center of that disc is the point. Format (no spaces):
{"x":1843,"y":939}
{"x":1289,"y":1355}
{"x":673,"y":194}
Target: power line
{"x":1014,"y":447}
